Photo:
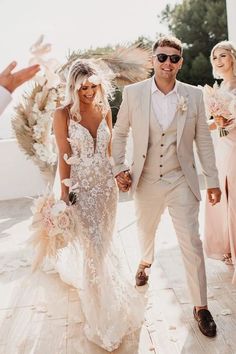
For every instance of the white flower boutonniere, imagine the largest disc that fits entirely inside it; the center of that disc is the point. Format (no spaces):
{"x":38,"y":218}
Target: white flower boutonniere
{"x":182,"y":105}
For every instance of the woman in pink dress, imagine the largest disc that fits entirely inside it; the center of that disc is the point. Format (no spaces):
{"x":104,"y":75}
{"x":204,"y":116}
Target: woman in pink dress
{"x":220,"y":220}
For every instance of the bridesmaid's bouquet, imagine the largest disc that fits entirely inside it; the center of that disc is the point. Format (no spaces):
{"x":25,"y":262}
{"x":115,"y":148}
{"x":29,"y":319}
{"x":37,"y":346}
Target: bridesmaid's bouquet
{"x":53,"y":225}
{"x":219,"y":102}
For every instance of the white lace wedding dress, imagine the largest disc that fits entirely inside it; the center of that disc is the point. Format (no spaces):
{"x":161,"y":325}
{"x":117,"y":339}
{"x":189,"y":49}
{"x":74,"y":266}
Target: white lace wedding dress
{"x":111,"y":306}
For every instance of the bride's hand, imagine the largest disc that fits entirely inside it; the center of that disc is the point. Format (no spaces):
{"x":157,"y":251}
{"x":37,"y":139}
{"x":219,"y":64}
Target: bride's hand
{"x":65,"y":198}
{"x":124,"y":181}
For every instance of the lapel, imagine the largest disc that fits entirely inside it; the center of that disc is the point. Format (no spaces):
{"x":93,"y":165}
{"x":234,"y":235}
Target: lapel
{"x":145,"y":111}
{"x":181,"y":115}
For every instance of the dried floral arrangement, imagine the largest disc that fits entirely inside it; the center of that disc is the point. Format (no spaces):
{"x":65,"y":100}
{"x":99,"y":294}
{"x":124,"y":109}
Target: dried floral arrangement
{"x":32,"y":122}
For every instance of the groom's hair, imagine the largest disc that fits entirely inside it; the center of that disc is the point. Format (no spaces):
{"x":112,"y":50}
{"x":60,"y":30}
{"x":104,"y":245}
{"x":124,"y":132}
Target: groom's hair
{"x":168,"y":41}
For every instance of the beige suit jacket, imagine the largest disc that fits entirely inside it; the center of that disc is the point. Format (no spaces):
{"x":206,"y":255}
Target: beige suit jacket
{"x":134,"y":113}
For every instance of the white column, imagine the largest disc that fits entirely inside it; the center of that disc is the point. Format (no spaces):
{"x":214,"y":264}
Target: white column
{"x":231,"y":12}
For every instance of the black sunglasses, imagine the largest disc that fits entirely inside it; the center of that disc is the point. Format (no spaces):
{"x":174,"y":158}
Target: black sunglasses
{"x":174,"y":58}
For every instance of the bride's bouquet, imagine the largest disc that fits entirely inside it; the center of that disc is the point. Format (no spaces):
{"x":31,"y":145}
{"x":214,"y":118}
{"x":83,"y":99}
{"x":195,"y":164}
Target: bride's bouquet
{"x":53,"y":225}
{"x":219,"y":102}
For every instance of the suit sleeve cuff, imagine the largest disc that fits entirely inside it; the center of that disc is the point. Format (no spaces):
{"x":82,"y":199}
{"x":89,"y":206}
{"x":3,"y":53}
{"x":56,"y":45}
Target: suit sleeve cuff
{"x":120,"y":168}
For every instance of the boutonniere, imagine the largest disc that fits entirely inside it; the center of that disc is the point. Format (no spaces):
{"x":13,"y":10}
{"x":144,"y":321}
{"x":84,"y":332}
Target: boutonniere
{"x":182,"y":105}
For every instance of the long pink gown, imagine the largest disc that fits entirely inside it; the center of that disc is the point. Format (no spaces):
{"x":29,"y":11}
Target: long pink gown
{"x":220,"y":219}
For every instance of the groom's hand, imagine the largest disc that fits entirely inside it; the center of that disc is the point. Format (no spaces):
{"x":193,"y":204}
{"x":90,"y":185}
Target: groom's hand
{"x":124,"y":181}
{"x":214,"y":195}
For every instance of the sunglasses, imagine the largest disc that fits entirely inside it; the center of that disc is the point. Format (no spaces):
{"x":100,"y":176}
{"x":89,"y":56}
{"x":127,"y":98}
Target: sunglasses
{"x":174,"y":58}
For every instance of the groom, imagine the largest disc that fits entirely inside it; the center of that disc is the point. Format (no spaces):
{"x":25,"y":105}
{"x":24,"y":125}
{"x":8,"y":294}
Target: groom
{"x":166,"y":116}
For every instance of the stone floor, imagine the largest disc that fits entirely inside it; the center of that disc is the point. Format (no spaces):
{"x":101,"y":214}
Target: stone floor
{"x":39,"y":314}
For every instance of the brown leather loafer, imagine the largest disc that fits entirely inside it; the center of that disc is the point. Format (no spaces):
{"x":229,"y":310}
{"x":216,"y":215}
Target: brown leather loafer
{"x":205,"y":321}
{"x":141,"y":277}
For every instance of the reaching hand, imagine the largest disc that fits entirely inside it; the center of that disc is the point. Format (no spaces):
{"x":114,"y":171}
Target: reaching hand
{"x":11,"y":80}
{"x":214,"y":195}
{"x":124,"y":181}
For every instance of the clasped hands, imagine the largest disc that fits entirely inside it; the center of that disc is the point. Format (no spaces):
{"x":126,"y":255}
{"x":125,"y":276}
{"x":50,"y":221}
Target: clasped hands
{"x":214,"y":195}
{"x":124,"y":181}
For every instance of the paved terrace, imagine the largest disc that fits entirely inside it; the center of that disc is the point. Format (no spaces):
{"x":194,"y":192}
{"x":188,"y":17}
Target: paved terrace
{"x":39,"y":314}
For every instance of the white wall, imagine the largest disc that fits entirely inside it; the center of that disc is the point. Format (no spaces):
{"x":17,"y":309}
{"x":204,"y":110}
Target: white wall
{"x":19,"y":176}
{"x":231,"y":12}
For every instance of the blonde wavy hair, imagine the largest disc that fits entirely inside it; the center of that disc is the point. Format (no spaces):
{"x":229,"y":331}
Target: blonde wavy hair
{"x":230,"y":47}
{"x":79,"y":72}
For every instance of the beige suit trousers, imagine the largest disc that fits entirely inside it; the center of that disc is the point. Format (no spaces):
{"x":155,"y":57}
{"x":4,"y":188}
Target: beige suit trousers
{"x":151,"y":199}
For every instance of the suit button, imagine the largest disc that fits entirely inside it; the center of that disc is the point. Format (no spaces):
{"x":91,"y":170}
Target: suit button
{"x":162,"y":144}
{"x":144,"y":156}
{"x":161,"y":175}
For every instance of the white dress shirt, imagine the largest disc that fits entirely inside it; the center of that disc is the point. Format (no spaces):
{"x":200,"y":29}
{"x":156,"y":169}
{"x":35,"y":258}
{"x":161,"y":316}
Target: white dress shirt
{"x":164,"y":106}
{"x":5,"y":98}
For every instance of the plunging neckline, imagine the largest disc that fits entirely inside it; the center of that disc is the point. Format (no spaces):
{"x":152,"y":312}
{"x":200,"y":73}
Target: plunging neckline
{"x":94,"y":139}
{"x":96,"y":135}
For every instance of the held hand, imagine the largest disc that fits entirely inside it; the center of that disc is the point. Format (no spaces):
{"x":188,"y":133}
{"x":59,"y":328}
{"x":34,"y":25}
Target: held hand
{"x":214,"y":195}
{"x":124,"y":181}
{"x":11,"y":80}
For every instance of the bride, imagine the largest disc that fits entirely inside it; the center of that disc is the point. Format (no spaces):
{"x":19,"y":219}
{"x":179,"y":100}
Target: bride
{"x":111,"y":306}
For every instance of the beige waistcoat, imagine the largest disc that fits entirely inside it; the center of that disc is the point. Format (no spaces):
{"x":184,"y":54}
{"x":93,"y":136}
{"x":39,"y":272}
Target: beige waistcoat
{"x":162,"y":162}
